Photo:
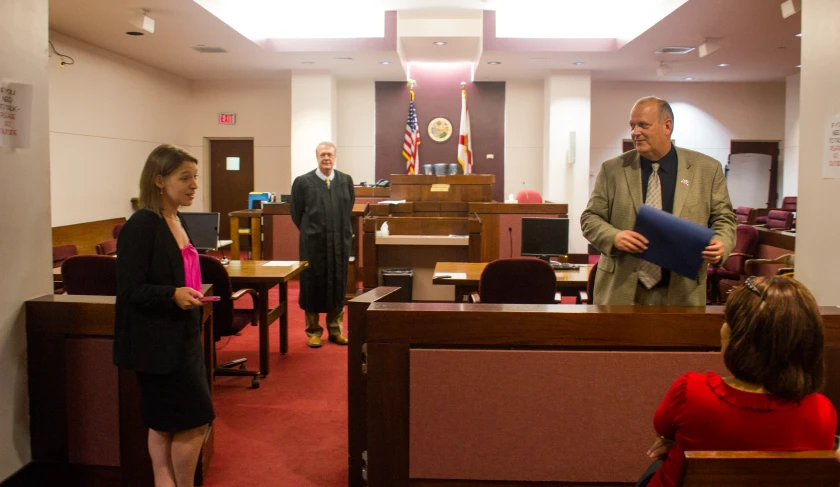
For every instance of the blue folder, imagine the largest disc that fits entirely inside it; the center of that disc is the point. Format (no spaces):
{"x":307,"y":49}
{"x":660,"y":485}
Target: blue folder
{"x":674,"y":243}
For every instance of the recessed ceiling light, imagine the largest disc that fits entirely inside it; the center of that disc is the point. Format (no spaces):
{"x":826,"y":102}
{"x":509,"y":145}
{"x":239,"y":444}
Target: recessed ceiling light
{"x":385,"y":62}
{"x":307,"y":62}
{"x":799,"y":35}
{"x":689,"y":78}
{"x":134,"y":33}
{"x":579,"y":63}
{"x":798,"y":66}
{"x":439,"y":43}
{"x":494,"y":62}
{"x":724,"y":65}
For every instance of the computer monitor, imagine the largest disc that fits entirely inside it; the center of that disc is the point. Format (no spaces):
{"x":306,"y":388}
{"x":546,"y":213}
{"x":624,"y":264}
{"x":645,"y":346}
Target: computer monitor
{"x":204,"y":229}
{"x":545,"y":237}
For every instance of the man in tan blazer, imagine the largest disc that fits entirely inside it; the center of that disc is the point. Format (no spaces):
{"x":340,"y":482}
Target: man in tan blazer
{"x":682,"y":182}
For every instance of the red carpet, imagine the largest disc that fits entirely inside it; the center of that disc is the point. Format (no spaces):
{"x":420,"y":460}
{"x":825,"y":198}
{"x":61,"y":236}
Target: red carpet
{"x":292,"y":431}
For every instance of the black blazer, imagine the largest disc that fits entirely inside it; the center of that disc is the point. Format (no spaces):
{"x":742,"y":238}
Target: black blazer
{"x":150,"y":330}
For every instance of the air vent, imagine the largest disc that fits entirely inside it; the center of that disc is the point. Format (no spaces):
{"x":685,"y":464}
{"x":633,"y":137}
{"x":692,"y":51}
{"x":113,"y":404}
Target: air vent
{"x":674,"y":50}
{"x":208,"y":49}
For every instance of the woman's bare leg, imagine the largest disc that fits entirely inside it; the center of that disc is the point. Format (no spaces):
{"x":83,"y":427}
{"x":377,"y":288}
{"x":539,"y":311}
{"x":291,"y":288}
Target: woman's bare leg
{"x":160,"y":449}
{"x":186,"y":446}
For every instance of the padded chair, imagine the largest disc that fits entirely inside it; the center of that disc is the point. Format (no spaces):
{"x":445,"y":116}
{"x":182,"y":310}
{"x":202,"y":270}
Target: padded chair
{"x":60,"y":254}
{"x":227,"y":320}
{"x":785,"y":261}
{"x":789,"y":203}
{"x":779,"y":220}
{"x":523,"y":280}
{"x":90,"y":274}
{"x":746,"y":246}
{"x":528,"y":196}
{"x":115,"y":232}
{"x":742,"y":214}
{"x":765,"y":468}
{"x":108,"y":247}
{"x":588,"y":296}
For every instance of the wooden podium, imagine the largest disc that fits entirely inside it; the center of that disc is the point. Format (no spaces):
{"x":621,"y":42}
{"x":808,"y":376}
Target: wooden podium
{"x":459,"y":187}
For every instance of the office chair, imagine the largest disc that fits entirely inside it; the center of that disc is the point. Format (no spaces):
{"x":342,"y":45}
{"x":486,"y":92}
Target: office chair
{"x":228,"y":321}
{"x":523,"y":280}
{"x":94,"y":275}
{"x":785,"y":263}
{"x":742,"y":214}
{"x":789,"y":203}
{"x":746,"y":246}
{"x":108,"y":247}
{"x":60,"y":254}
{"x":779,"y":220}
{"x":528,"y":196}
{"x":588,"y":296}
{"x":115,"y":232}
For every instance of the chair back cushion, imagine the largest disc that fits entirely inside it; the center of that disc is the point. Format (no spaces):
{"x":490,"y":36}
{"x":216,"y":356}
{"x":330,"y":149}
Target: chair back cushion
{"x":789,"y":203}
{"x":779,"y":219}
{"x":90,"y":274}
{"x":590,"y":284}
{"x":108,"y":247}
{"x":115,"y":232}
{"x":524,"y":280}
{"x":746,"y":243}
{"x":742,"y":214}
{"x":213,"y":272}
{"x":62,"y":252}
{"x":528,"y":196}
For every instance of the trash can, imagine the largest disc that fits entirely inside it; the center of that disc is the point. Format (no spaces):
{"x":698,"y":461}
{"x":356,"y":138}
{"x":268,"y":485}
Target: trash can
{"x":399,"y":277}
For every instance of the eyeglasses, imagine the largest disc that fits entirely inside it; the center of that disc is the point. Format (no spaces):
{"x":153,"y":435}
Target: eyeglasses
{"x":749,"y":285}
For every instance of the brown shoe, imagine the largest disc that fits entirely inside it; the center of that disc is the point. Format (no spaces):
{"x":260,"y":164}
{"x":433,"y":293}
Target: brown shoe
{"x":314,"y":341}
{"x":338,"y":339}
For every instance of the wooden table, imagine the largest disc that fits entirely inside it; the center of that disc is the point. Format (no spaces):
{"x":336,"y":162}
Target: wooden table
{"x":568,"y":280}
{"x":254,"y":232}
{"x":256,"y":275}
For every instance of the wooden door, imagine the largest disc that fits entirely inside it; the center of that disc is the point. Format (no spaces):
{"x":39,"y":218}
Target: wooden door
{"x":771,"y":148}
{"x":627,"y":145}
{"x":230,"y":184}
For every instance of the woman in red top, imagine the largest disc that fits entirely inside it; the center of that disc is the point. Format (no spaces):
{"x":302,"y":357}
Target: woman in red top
{"x":772,"y":343}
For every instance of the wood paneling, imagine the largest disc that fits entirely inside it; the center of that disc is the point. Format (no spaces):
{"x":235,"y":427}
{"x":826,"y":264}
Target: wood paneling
{"x":387,"y":428}
{"x":85,"y":236}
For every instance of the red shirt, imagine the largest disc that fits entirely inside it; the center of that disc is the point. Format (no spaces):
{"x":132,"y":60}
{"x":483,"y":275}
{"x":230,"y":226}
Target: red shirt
{"x":701,"y":412}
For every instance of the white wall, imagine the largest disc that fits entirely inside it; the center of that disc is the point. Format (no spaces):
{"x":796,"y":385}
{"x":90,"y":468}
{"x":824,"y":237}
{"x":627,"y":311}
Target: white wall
{"x":524,"y":120}
{"x":789,"y":168}
{"x":707,"y":116}
{"x":24,"y":184}
{"x":263,"y":111}
{"x":313,"y":117}
{"x":107,"y":113}
{"x":356,"y":129}
{"x":817,"y":259}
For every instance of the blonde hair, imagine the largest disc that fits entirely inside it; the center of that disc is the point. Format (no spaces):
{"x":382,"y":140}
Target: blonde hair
{"x":163,"y":161}
{"x":326,"y":143}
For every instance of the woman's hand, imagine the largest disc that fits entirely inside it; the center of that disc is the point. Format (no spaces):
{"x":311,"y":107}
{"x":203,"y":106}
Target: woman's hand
{"x":187,"y":298}
{"x":660,"y":448}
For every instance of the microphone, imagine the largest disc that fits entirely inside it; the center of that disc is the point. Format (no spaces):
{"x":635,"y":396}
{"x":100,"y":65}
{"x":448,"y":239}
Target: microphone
{"x":510,"y":234}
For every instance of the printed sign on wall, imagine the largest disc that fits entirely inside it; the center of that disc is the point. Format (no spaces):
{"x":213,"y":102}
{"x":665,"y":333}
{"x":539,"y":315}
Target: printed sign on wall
{"x":831,"y":162}
{"x":15,"y":112}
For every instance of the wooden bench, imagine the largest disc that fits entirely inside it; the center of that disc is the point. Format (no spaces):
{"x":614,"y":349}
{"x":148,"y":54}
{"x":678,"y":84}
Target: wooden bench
{"x":760,"y":468}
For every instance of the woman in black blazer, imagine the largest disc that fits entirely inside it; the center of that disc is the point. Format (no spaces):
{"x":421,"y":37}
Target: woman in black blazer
{"x":158,"y":316}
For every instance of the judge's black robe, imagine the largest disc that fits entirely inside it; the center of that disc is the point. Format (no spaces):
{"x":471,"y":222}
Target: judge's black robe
{"x":323,"y":217}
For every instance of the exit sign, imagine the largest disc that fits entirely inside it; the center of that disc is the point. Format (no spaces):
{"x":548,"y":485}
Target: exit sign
{"x":227,"y":118}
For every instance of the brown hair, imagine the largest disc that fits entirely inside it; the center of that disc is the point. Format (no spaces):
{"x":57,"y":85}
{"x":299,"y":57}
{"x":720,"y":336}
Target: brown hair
{"x":776,"y":337}
{"x":163,"y":161}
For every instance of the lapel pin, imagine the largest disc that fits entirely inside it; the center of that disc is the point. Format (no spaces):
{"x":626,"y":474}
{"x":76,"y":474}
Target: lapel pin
{"x":684,"y":182}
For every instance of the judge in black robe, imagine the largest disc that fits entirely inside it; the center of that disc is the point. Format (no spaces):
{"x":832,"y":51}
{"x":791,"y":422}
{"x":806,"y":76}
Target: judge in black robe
{"x":322,"y":202}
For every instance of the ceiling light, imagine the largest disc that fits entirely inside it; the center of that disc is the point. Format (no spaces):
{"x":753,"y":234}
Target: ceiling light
{"x":143,"y":21}
{"x":724,"y":65}
{"x":385,"y":62}
{"x":663,"y":69}
{"x":799,"y":35}
{"x":790,"y":7}
{"x":307,"y":62}
{"x":439,"y":43}
{"x":494,"y":62}
{"x":579,"y":63}
{"x":688,"y":78}
{"x":674,"y":50}
{"x":134,"y":33}
{"x":707,"y":47}
{"x":344,"y":58}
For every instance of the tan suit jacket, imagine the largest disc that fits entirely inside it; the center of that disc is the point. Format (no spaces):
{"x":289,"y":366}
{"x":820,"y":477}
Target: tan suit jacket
{"x":701,"y":197}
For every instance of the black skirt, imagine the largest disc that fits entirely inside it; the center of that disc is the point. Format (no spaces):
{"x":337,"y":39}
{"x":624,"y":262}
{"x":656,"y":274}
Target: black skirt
{"x":180,"y":400}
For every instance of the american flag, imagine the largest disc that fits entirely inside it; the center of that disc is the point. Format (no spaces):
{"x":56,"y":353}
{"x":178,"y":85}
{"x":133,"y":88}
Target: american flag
{"x":411,"y":141}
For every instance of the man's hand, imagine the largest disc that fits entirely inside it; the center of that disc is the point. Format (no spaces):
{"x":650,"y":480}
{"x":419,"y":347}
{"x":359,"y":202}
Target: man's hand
{"x":630,"y":241}
{"x":714,"y":252}
{"x":660,"y":448}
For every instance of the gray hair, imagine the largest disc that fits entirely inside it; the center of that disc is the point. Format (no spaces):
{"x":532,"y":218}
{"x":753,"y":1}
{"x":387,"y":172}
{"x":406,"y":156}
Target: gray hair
{"x":326,"y":143}
{"x":665,"y":112}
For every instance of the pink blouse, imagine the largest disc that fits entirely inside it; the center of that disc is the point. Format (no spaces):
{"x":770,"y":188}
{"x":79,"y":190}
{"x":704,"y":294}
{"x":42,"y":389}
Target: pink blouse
{"x":192,"y":269}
